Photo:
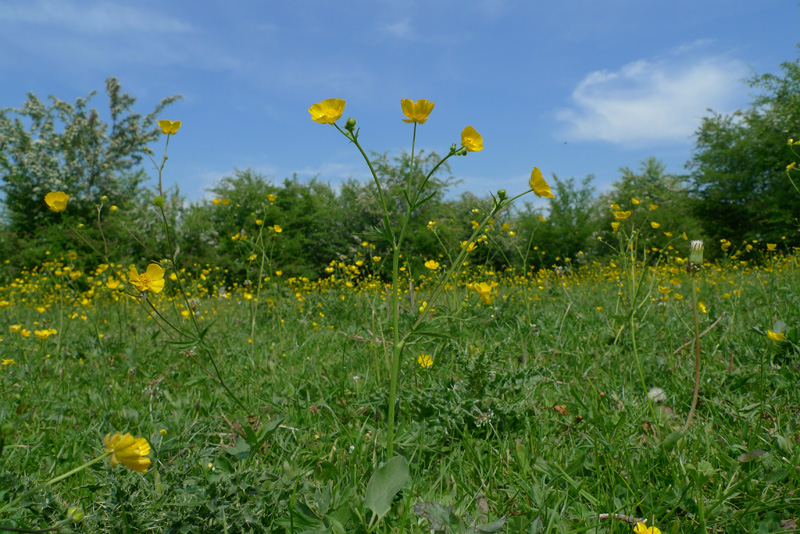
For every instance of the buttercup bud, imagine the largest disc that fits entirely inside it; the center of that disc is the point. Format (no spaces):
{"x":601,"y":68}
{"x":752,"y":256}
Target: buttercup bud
{"x":75,"y":514}
{"x":501,"y":194}
{"x":350,"y":125}
{"x":104,"y":199}
{"x":158,"y":201}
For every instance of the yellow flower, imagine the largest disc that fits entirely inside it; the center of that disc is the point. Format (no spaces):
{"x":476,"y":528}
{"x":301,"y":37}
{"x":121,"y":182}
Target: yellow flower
{"x":424,"y":360}
{"x":8,"y":362}
{"x":615,"y":207}
{"x":653,"y":207}
{"x":163,"y":432}
{"x":25,"y":333}
{"x":112,"y":283}
{"x":702,"y":307}
{"x":150,"y":280}
{"x":622,"y":215}
{"x":15,"y":328}
{"x":471,"y":140}
{"x":271,"y":197}
{"x":130,"y":452}
{"x":542,"y":219}
{"x":432,"y":265}
{"x":169,"y":127}
{"x":615,"y":226}
{"x":771,"y":247}
{"x":277,"y":229}
{"x":641,"y":528}
{"x":328,"y":111}
{"x":776,"y":336}
{"x":416,"y":111}
{"x":42,"y":334}
{"x":57,"y":200}
{"x":471,"y":246}
{"x":484,"y":292}
{"x":539,"y":186}
{"x":431,"y":224}
{"x":634,"y":201}
{"x":376,"y":259}
{"x":791,"y":166}
{"x":216,"y":202}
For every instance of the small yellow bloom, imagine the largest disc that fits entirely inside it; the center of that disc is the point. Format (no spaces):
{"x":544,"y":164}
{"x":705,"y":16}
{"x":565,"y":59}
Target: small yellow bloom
{"x":376,"y":259}
{"x":615,"y":207}
{"x":653,"y":207}
{"x":248,"y":296}
{"x":42,"y":334}
{"x":702,"y":307}
{"x":505,"y":227}
{"x":542,"y":219}
{"x":216,"y":202}
{"x":791,"y":166}
{"x":471,"y":246}
{"x":771,"y":247}
{"x":776,"y":336}
{"x":163,"y":432}
{"x":57,"y":201}
{"x":655,"y":225}
{"x":169,"y":127}
{"x":615,"y":226}
{"x":641,"y":528}
{"x":8,"y":362}
{"x":150,"y":280}
{"x":277,"y":229}
{"x":471,"y":139}
{"x":15,"y":328}
{"x":432,"y":265}
{"x":431,"y":224}
{"x":539,"y":185}
{"x":416,"y":111}
{"x":259,"y":222}
{"x":25,"y":333}
{"x":634,"y":201}
{"x":328,"y":111}
{"x":112,"y":283}
{"x":272,"y":197}
{"x":622,"y":215}
{"x":484,"y":292}
{"x":130,"y":452}
{"x":424,"y":361}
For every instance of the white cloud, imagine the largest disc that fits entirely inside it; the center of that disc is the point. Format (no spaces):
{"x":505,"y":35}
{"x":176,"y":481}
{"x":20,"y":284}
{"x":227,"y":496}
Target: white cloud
{"x":652,"y":102}
{"x":100,"y":17}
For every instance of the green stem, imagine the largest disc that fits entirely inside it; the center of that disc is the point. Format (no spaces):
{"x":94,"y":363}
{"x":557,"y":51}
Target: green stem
{"x":696,"y":390}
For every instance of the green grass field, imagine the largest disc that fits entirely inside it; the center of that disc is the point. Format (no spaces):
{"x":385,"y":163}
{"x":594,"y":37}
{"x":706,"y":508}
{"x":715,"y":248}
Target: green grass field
{"x":532,"y":410}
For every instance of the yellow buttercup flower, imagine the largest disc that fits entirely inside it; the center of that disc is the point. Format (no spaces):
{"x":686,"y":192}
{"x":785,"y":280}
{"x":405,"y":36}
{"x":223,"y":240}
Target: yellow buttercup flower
{"x":622,"y":215}
{"x":328,"y":111}
{"x":432,"y":265}
{"x":150,"y":280}
{"x":615,"y":226}
{"x":424,"y":361}
{"x":471,"y":139}
{"x":8,"y":362}
{"x":416,"y":111}
{"x":702,"y":307}
{"x":57,"y":200}
{"x":634,"y":201}
{"x":771,"y":247}
{"x":169,"y":127}
{"x":641,"y":528}
{"x":42,"y":334}
{"x":484,"y":292}
{"x":128,"y":451}
{"x":655,"y":225}
{"x":538,"y":184}
{"x":653,"y":207}
{"x":776,"y":336}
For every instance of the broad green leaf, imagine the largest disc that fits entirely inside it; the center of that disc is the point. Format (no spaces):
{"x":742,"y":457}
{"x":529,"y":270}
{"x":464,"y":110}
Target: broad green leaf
{"x":385,"y":483}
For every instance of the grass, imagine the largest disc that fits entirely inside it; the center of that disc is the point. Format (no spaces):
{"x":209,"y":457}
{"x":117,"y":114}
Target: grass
{"x":533,"y":417}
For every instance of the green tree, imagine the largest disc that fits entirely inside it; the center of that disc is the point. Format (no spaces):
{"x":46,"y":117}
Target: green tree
{"x":66,"y":147}
{"x":738,"y":167}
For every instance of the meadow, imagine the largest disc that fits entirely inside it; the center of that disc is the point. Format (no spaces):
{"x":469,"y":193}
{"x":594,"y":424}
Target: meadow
{"x":650,"y":391}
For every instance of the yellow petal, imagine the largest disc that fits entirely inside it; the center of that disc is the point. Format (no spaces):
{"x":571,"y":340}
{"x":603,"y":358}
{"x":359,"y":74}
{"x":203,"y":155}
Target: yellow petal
{"x":471,"y":139}
{"x":328,"y":111}
{"x":538,"y":184}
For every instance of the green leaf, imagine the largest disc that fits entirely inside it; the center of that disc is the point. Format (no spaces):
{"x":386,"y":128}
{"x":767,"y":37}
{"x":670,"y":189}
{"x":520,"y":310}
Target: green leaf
{"x":385,"y":483}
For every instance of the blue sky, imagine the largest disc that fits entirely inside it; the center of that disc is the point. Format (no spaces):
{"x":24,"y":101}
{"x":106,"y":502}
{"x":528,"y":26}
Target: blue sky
{"x":571,"y":86}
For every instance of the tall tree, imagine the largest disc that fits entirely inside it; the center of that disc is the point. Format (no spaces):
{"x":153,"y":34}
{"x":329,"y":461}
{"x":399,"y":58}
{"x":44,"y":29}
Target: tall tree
{"x":738,"y":168}
{"x":66,"y":147}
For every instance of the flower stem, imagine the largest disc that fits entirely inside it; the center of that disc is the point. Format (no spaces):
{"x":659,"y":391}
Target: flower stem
{"x":696,"y":390}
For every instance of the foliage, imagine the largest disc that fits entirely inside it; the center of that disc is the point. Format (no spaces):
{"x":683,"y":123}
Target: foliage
{"x":738,"y":168}
{"x":66,"y":147}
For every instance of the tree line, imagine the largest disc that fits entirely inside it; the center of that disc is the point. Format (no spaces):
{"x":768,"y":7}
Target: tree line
{"x":735,"y":188}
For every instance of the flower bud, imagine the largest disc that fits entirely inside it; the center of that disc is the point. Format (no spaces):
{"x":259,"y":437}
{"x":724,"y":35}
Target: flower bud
{"x":104,"y":199}
{"x":158,"y":201}
{"x":696,"y":252}
{"x":501,"y":194}
{"x":114,"y":209}
{"x":350,"y":125}
{"x":75,"y":514}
